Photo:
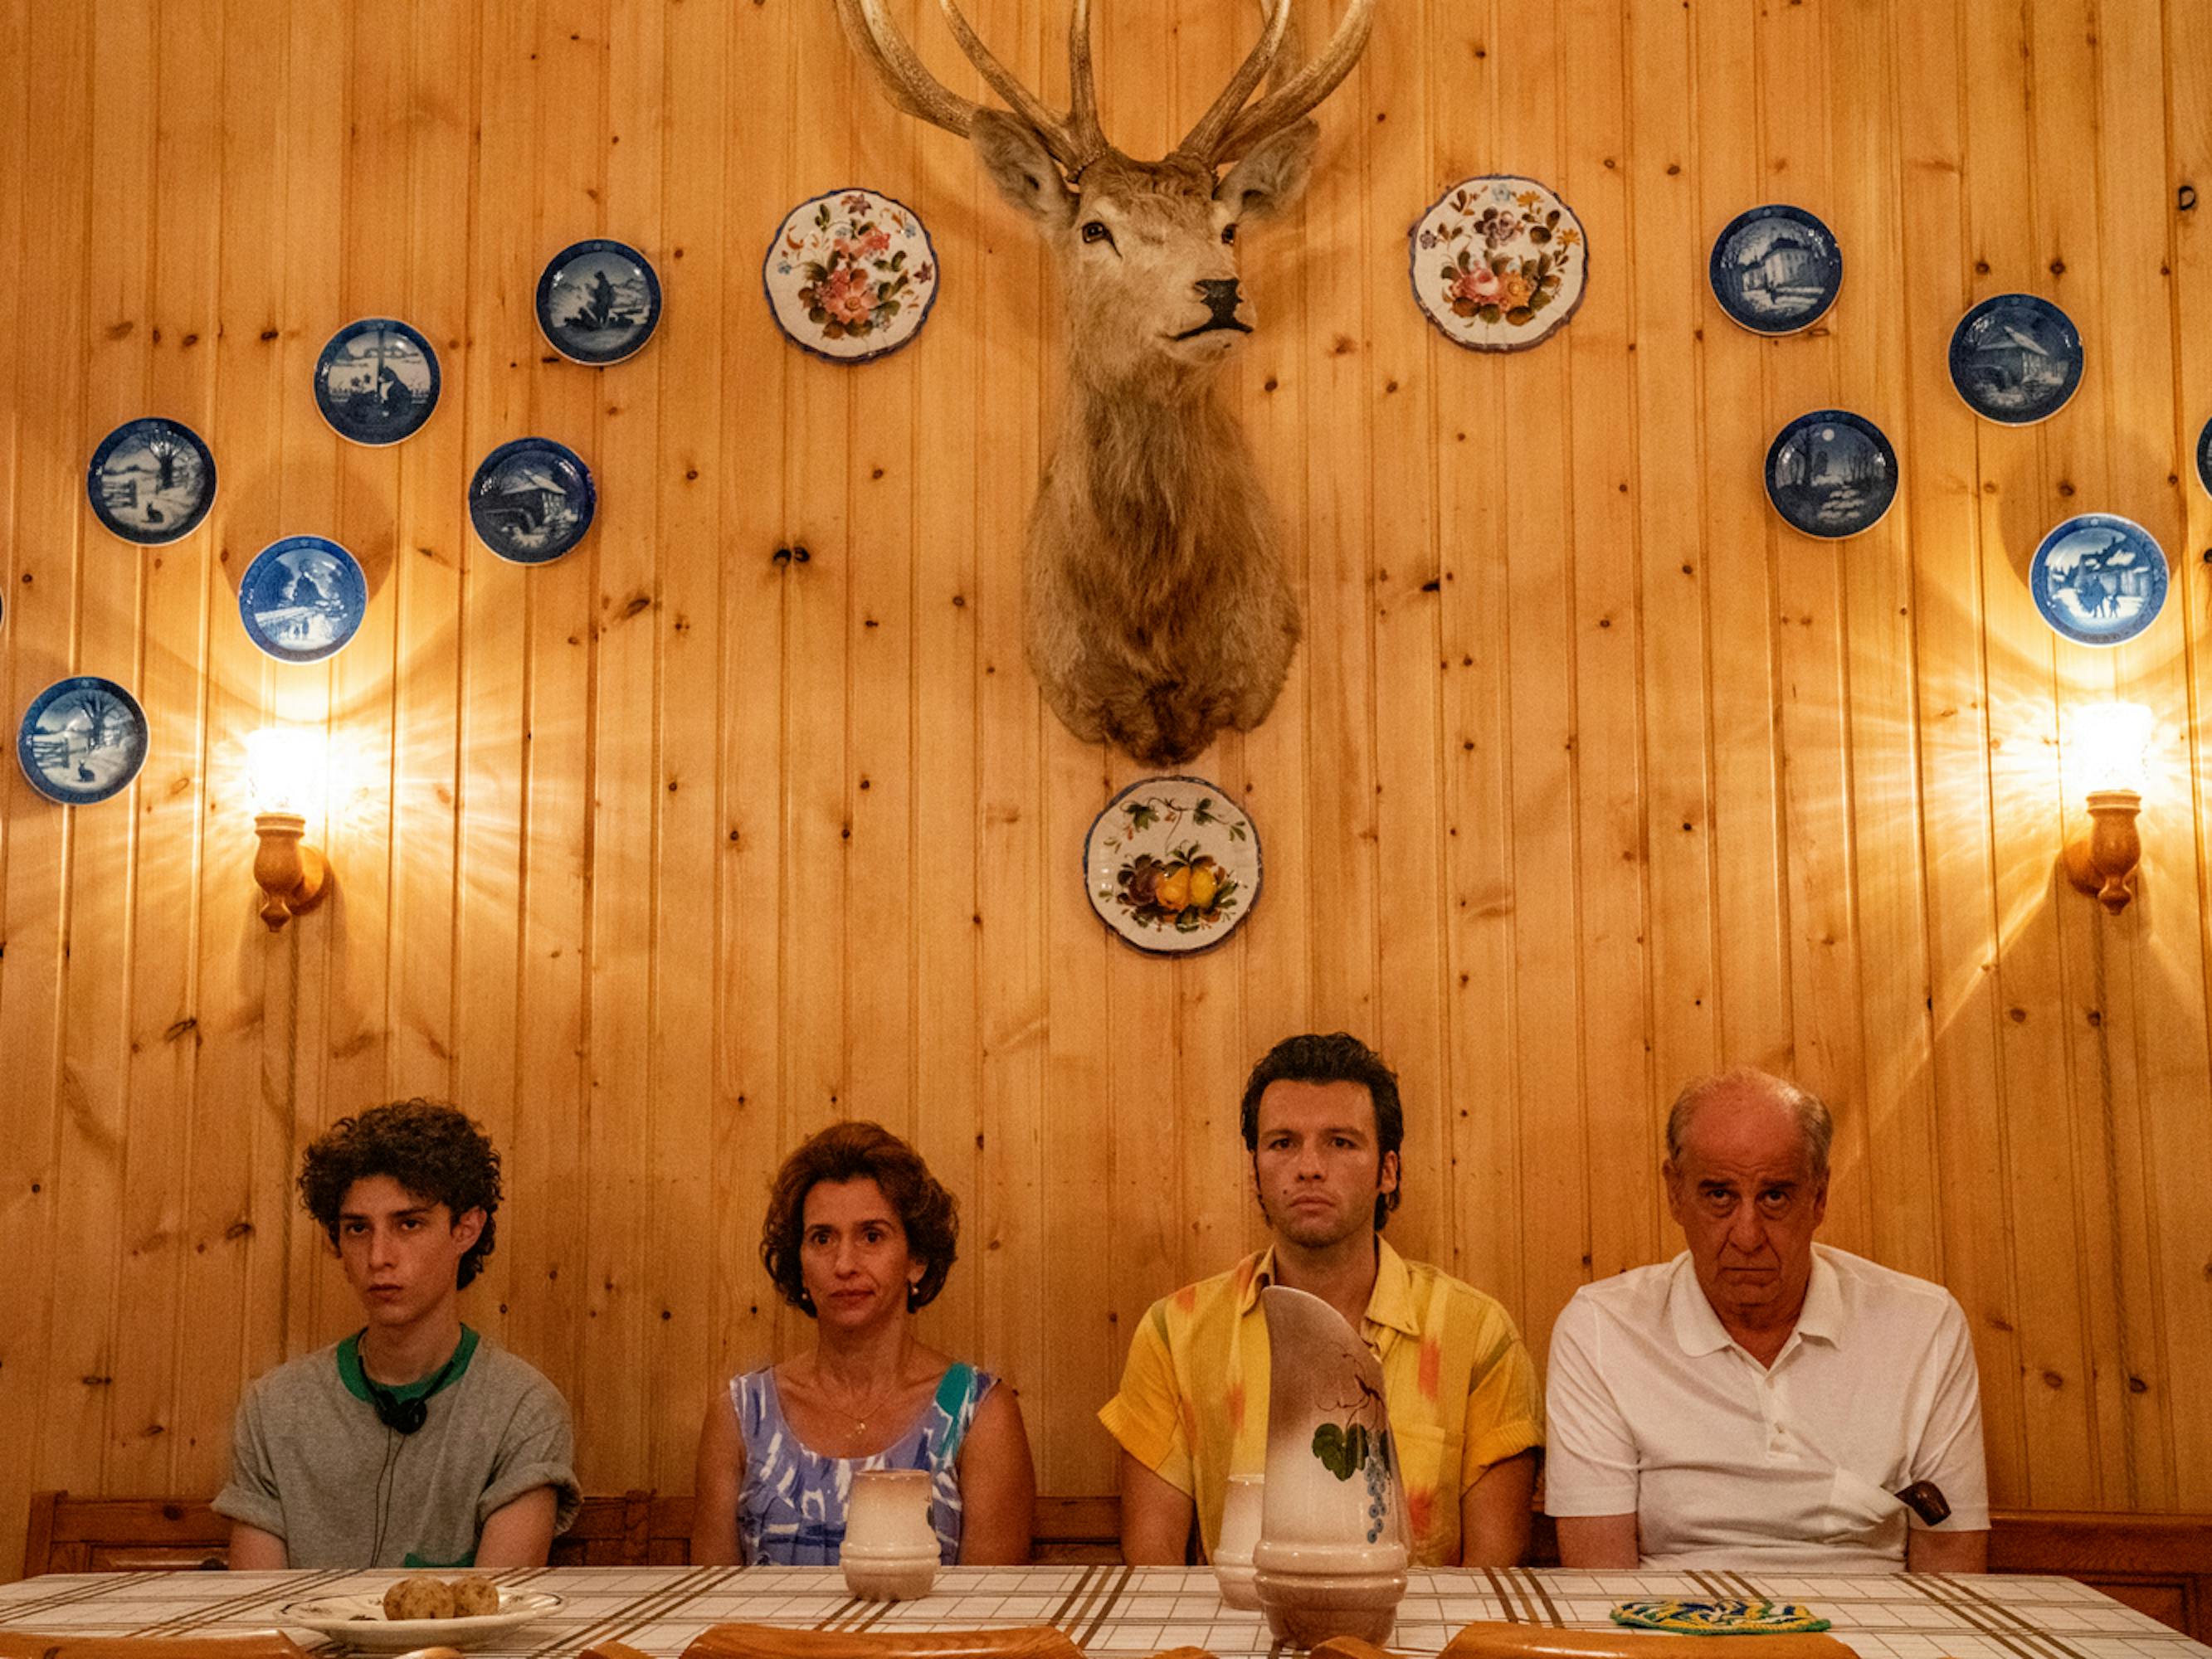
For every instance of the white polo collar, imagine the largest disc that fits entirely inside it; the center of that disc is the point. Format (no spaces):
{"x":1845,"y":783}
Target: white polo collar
{"x":1698,"y":1330}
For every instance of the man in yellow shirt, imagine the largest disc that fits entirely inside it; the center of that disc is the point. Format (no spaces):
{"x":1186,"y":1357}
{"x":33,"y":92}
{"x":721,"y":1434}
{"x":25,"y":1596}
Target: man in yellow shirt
{"x":1323,"y":1121}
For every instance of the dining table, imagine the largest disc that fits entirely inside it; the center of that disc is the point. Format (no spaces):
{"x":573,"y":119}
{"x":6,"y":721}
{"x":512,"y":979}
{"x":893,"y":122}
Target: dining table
{"x":1116,"y":1609}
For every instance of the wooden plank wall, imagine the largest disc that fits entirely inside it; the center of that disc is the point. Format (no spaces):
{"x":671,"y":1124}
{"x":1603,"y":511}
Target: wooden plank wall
{"x":1588,"y":775}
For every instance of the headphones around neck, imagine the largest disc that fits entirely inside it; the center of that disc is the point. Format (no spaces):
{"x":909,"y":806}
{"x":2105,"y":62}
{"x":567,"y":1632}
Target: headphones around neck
{"x":406,"y":1416}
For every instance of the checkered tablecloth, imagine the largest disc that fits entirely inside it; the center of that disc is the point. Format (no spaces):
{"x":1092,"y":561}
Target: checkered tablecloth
{"x":1126,"y":1610}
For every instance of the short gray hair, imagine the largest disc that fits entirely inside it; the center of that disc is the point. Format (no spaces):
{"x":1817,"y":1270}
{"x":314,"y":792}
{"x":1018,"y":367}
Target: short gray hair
{"x":1813,"y":1119}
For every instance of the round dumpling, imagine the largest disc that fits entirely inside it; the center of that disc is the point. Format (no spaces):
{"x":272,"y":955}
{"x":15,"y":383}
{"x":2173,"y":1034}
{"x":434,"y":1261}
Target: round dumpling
{"x":473,"y":1595}
{"x":421,"y":1596}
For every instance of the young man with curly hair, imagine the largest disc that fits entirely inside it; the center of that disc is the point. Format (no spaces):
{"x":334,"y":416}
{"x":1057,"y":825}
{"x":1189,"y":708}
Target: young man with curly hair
{"x":1322,"y":1120}
{"x":412,"y":1443}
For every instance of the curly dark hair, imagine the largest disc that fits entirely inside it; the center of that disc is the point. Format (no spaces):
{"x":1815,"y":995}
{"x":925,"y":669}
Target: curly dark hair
{"x":1339,"y":1057}
{"x":854,"y":1152}
{"x":435,"y":1151}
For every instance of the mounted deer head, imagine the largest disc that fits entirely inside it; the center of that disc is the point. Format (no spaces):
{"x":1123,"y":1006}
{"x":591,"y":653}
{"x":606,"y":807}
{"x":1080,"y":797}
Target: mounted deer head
{"x":1158,"y":611}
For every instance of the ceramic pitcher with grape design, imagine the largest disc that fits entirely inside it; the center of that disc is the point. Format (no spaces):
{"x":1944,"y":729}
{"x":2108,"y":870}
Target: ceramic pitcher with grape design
{"x":1331,"y":1558}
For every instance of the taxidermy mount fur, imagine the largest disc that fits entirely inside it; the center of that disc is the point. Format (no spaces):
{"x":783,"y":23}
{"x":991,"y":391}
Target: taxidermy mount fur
{"x":1158,"y":611}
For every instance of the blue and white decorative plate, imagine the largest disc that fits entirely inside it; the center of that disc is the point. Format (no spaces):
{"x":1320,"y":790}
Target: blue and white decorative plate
{"x":151,"y":481}
{"x":2015,"y":358}
{"x":2204,"y":457}
{"x":81,"y":740}
{"x":1172,"y":866}
{"x":1775,"y":268}
{"x":532,"y":500}
{"x":1499,"y":263}
{"x":377,"y":381}
{"x":302,"y":598}
{"x":1830,"y":473}
{"x":598,"y":302}
{"x":2099,"y":579}
{"x":850,"y":275}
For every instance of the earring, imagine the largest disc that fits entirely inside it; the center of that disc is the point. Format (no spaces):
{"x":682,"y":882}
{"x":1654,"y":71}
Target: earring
{"x":913,"y":1298}
{"x":807,"y":1299}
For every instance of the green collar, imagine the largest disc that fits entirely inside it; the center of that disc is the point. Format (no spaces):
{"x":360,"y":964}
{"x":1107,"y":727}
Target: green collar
{"x":356,"y":1380}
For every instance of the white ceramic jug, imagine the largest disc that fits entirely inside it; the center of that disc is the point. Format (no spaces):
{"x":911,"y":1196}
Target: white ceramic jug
{"x":1240,"y":1531}
{"x":1331,"y":1558}
{"x":889,"y":1552}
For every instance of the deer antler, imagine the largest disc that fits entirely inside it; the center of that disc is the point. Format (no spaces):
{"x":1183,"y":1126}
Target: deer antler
{"x":1203,"y":139}
{"x":906,"y":80}
{"x":1074,"y":141}
{"x":1288,"y":100}
{"x":1082,"y":89}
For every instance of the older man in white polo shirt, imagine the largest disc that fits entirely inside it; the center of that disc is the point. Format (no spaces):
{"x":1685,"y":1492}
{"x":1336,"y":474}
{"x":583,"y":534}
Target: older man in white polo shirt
{"x":1756,"y":1402}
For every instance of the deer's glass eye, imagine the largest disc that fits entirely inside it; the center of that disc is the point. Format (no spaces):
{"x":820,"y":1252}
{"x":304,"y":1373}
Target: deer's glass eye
{"x":1095,"y":231}
{"x":1228,"y":230}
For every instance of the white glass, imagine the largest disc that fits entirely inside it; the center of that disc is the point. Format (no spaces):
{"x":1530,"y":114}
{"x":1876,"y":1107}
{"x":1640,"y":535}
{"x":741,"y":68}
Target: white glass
{"x":890,"y":1549}
{"x":1240,"y":1531}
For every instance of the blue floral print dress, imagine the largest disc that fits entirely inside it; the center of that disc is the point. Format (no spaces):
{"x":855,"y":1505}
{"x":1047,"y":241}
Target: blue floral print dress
{"x":790,"y":1507}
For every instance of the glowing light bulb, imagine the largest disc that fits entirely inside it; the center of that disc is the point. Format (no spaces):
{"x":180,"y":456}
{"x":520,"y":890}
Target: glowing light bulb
{"x":285,"y":769}
{"x":2112,"y":742}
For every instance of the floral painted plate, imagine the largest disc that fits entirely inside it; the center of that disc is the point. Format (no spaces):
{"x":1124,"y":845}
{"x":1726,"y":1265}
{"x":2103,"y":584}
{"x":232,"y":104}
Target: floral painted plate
{"x":151,"y":481}
{"x":2204,"y":457}
{"x":2016,"y":359}
{"x":2099,"y":579}
{"x":532,"y":500}
{"x":81,"y":740}
{"x":1830,"y":473}
{"x":377,"y":381}
{"x":1499,"y":263}
{"x":302,"y":598}
{"x":598,"y":302}
{"x":1172,"y":866}
{"x":851,"y":276}
{"x":1775,"y":268}
{"x":1719,"y":1617}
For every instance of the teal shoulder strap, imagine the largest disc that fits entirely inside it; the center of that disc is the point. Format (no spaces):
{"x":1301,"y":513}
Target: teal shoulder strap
{"x":953,"y":1399}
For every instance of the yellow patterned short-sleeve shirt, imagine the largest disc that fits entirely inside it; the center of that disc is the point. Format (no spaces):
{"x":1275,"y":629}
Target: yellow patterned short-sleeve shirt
{"x":1461,"y":1389}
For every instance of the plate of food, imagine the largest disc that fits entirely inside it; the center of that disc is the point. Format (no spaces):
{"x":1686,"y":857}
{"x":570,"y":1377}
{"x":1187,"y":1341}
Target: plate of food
{"x":422,"y":1610}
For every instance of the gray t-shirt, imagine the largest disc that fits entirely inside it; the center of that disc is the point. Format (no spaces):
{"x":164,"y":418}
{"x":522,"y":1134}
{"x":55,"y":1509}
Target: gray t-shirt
{"x":311,"y":1463}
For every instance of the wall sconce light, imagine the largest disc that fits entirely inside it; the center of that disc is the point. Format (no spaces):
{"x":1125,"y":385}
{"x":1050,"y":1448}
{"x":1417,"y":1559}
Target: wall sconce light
{"x":284,"y":773}
{"x":2109,"y":741}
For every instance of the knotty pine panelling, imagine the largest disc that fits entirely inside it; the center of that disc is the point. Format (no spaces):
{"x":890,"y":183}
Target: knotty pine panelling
{"x":1588,"y":776}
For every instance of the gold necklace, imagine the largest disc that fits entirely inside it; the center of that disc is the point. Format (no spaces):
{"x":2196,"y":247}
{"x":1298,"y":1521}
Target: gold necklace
{"x":860,"y":1419}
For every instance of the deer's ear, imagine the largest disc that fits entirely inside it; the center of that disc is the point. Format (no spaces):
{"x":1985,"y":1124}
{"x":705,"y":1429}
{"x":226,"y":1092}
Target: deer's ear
{"x":1020,"y":166}
{"x":1272,"y":178}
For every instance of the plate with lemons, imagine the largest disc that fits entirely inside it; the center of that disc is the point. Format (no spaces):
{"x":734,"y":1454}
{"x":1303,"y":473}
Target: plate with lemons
{"x":1172,"y":865}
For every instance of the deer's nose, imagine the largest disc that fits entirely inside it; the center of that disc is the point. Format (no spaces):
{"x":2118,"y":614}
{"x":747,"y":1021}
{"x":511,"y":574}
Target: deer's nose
{"x":1220,"y":297}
